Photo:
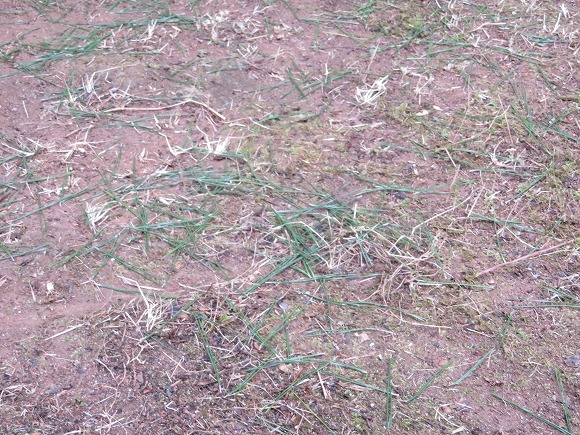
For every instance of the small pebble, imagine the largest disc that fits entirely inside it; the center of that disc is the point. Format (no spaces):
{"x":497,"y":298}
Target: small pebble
{"x":53,"y":389}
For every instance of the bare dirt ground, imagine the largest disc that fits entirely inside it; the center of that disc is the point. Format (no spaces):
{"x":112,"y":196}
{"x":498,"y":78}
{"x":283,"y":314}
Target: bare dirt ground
{"x":290,"y":217}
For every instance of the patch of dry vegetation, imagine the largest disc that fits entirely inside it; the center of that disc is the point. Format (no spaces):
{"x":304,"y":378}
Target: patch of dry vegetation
{"x":286,"y":217}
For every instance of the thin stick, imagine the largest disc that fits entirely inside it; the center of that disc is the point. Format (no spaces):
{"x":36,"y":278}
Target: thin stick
{"x":324,"y":391}
{"x":66,"y":331}
{"x":525,"y":257}
{"x":150,"y":109}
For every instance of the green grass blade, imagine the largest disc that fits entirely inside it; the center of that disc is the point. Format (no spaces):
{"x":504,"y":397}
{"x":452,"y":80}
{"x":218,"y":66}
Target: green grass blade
{"x":209,"y":352}
{"x":564,"y":400}
{"x":427,"y":384}
{"x":389,"y":394}
{"x":533,"y":414}
{"x":473,"y":367}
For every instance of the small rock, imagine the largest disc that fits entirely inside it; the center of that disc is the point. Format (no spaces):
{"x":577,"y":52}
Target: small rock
{"x":572,"y":361}
{"x":53,"y":389}
{"x":400,"y":195}
{"x":284,"y":368}
{"x":363,"y":337}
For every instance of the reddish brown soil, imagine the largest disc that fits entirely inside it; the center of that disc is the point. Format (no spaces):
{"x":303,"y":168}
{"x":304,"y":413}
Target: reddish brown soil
{"x":471,"y":152}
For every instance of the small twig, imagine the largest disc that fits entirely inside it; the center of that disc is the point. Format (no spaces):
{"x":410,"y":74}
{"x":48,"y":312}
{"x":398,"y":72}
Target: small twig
{"x":105,"y":366}
{"x":525,"y":257}
{"x":569,"y":97}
